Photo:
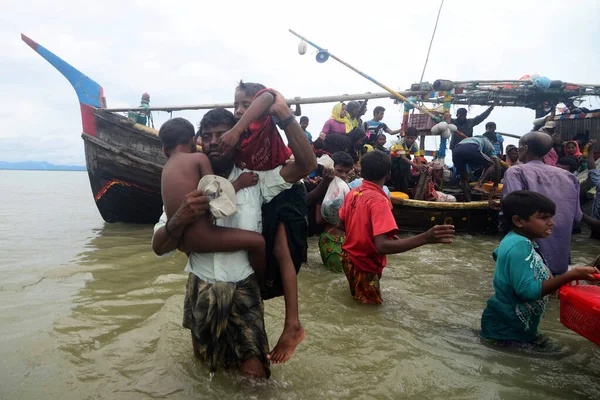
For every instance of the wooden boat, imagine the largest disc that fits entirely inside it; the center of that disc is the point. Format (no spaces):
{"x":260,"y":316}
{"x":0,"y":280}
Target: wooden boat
{"x":124,"y":159}
{"x":419,"y":216}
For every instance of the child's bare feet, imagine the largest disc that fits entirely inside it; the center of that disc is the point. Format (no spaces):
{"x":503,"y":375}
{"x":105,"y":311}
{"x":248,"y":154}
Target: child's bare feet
{"x":286,"y":345}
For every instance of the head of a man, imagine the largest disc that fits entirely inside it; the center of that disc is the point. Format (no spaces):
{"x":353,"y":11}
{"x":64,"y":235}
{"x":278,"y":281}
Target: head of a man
{"x":490,"y":127}
{"x":177,"y":135}
{"x":304,"y":122}
{"x":534,"y":146}
{"x":244,"y":94}
{"x":352,"y":108}
{"x":342,"y":164}
{"x":378,"y":113}
{"x":213,"y":125}
{"x":568,"y":164}
{"x":410,"y":136}
{"x":375,"y":167}
{"x":461,"y":115}
{"x":549,"y":127}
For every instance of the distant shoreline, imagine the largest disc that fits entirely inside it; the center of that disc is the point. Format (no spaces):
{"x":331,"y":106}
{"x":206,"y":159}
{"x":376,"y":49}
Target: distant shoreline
{"x":45,"y":170}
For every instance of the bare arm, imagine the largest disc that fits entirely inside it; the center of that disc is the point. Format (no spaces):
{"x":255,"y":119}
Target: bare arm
{"x":258,"y":108}
{"x":593,"y":223}
{"x":298,"y":111}
{"x":304,"y":158}
{"x":580,"y":273}
{"x":437,"y":234}
{"x":391,"y":132}
{"x":481,"y":117}
{"x":167,"y":238}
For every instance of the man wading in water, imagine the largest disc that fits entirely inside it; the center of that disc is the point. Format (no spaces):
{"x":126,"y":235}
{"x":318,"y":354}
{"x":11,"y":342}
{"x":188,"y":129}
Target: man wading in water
{"x":223,"y":307}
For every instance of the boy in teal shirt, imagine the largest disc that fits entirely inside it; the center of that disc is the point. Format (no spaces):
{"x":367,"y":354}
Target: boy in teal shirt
{"x":522,"y":281}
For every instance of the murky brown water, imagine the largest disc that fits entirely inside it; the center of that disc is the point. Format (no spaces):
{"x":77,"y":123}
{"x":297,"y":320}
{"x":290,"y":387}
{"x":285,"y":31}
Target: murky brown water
{"x":88,"y":312}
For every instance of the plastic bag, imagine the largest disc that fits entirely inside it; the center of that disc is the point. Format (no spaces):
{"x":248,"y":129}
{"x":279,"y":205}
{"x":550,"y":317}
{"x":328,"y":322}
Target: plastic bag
{"x":325,"y":161}
{"x":333,"y":200}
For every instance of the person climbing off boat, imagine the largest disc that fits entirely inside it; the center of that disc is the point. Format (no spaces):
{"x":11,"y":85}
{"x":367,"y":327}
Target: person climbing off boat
{"x":522,"y":279}
{"x":375,"y":127}
{"x":465,"y":125}
{"x":261,"y":148}
{"x":476,"y":152}
{"x":370,"y":227}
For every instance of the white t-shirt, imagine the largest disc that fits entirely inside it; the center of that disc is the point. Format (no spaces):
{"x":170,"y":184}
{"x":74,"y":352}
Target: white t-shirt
{"x":234,"y":266}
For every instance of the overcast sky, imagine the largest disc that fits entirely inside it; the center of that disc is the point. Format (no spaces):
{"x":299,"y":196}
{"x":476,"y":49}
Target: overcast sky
{"x":190,"y":52}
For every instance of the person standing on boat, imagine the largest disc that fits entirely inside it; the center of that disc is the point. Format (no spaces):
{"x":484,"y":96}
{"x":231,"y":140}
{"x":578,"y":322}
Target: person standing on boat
{"x":401,"y":152}
{"x":551,"y":158}
{"x":475,"y":152}
{"x":304,"y":125}
{"x":558,"y":185}
{"x":225,"y":281}
{"x":494,"y":137}
{"x":374,"y":127}
{"x":465,"y":125}
{"x":339,"y":134}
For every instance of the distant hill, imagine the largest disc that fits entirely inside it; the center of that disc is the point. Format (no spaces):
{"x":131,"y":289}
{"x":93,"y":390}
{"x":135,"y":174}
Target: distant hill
{"x":39,"y":166}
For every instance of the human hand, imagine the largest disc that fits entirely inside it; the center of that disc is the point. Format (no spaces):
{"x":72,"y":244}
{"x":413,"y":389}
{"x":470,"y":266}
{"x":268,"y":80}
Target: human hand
{"x":328,"y":175}
{"x":322,"y":136}
{"x":585,"y":274}
{"x":591,"y":144}
{"x":229,"y":141}
{"x":279,"y":109}
{"x":494,"y":205}
{"x":246,"y":179}
{"x":440,"y":234}
{"x":193,"y":207}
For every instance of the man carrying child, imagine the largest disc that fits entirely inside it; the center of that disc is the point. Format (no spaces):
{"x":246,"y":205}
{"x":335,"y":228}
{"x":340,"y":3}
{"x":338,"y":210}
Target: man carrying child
{"x":225,"y":281}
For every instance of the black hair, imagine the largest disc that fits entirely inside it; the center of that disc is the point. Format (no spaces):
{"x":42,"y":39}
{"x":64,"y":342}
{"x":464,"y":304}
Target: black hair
{"x":175,"y":132}
{"x":411,"y":131}
{"x":377,"y":110}
{"x":381,"y":134}
{"x":525,"y":203}
{"x":303,"y":118}
{"x":374,"y":166}
{"x":490,"y":124}
{"x":570,"y":162}
{"x":216,"y":117}
{"x":250,"y":88}
{"x":352,"y":105}
{"x":537,"y":144}
{"x":342,"y":158}
{"x":461,"y":111}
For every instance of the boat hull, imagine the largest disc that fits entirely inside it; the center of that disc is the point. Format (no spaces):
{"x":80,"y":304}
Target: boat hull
{"x":419,"y":216}
{"x":124,"y":163}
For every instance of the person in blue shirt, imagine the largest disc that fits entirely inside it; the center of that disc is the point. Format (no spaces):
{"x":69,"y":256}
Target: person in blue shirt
{"x":304,"y":125}
{"x":522,"y":280}
{"x":494,"y":137}
{"x":476,"y":152}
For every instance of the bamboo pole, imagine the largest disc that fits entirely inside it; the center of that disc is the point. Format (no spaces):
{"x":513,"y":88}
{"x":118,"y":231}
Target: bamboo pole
{"x":294,"y":100}
{"x":381,"y":85}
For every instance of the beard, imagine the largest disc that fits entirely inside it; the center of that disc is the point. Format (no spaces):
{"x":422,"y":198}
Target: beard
{"x":221,"y":165}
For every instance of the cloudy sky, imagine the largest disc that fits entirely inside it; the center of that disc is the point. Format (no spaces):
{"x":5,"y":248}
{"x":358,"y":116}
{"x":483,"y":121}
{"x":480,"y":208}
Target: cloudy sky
{"x":190,"y":52}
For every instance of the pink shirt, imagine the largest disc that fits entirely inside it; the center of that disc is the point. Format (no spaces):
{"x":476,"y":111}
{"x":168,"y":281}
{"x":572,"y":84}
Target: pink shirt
{"x":332,"y":126}
{"x":551,"y":158}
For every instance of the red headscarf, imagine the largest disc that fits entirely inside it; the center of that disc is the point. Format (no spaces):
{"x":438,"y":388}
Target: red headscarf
{"x":577,"y":151}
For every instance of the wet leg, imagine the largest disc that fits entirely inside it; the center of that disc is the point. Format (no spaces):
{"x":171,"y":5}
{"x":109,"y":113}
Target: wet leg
{"x":253,"y":369}
{"x":293,"y":332}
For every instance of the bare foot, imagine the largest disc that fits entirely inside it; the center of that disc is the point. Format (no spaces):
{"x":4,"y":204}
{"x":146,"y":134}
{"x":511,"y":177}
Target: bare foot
{"x":288,"y":341}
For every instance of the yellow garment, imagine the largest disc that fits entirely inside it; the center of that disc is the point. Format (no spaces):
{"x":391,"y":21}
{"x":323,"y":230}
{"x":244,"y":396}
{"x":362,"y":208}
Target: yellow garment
{"x":335,"y":115}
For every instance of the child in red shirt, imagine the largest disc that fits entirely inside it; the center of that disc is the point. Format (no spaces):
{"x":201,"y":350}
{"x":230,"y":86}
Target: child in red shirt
{"x":371,"y":229}
{"x":258,"y":146}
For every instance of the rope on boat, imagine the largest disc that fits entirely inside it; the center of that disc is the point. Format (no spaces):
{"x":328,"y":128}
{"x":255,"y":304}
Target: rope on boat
{"x":431,"y":42}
